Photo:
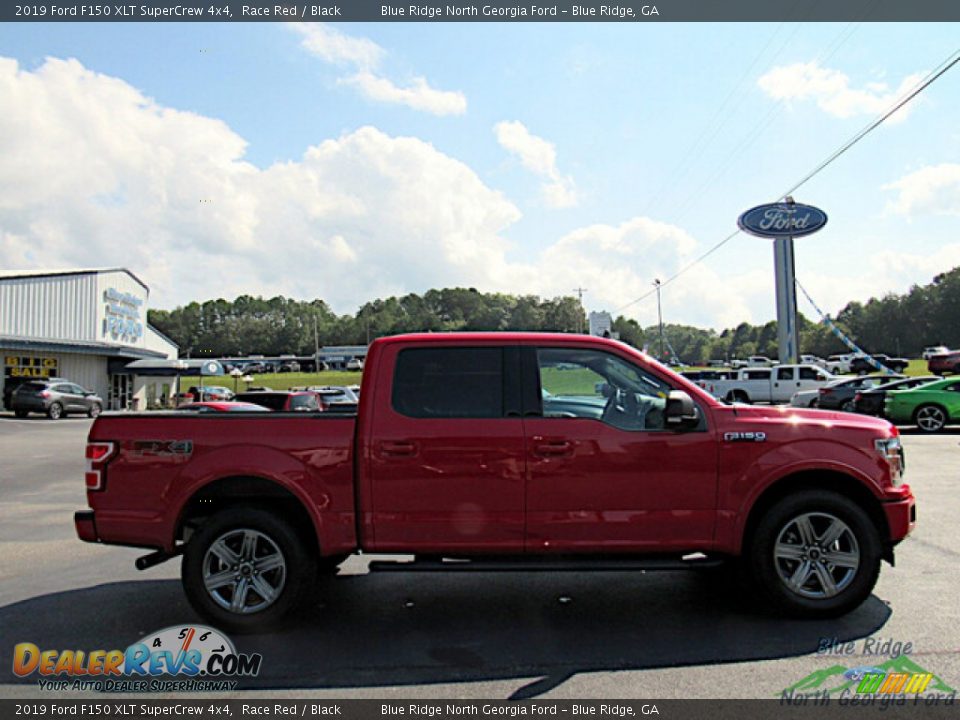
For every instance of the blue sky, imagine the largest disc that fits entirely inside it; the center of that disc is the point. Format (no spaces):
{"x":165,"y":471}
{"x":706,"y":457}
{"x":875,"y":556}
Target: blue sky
{"x":661,"y":136}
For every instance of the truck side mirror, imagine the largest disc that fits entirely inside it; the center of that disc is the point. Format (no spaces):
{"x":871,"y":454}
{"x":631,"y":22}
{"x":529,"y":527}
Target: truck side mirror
{"x":681,"y":412}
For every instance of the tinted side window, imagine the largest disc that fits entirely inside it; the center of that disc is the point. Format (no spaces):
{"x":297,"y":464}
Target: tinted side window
{"x":758,"y":375}
{"x":304,"y":403}
{"x":449,"y":383}
{"x":577,"y":383}
{"x":810,"y":374}
{"x":785,"y":374}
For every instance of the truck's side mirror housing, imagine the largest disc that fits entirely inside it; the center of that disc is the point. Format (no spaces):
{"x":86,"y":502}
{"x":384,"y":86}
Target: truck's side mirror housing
{"x":681,"y":412}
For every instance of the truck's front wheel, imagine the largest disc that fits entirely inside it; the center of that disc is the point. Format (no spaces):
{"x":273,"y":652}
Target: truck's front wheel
{"x":246,"y":570}
{"x":816,"y":554}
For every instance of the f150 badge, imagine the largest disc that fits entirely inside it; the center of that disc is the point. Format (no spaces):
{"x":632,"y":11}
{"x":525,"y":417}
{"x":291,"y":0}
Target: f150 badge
{"x":745,"y":437}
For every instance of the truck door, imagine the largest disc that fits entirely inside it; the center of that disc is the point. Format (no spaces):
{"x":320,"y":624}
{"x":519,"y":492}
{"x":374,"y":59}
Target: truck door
{"x":604,"y":473}
{"x":810,"y":378}
{"x":445,"y":457}
{"x":784,"y":384}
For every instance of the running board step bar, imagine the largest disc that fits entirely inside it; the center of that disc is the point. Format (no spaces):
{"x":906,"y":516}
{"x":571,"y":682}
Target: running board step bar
{"x":542,"y":564}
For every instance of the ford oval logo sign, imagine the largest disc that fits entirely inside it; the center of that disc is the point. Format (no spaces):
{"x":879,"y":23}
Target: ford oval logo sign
{"x":782,"y":220}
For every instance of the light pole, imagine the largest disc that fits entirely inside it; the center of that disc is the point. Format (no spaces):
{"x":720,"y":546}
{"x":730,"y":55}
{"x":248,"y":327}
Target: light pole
{"x":656,"y":284}
{"x":580,"y":291}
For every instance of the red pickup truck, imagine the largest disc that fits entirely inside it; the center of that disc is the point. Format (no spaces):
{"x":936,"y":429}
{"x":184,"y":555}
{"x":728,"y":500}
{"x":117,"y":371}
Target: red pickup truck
{"x":503,"y":451}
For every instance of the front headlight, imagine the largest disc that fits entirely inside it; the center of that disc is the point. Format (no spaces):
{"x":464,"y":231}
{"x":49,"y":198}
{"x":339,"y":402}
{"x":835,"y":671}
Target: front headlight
{"x":891,"y":450}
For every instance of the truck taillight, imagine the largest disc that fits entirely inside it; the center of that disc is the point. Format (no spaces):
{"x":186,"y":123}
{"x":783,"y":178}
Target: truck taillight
{"x":98,"y":455}
{"x":825,"y":391}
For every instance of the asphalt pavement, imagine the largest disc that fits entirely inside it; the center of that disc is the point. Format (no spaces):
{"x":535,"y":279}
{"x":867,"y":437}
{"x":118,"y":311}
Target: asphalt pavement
{"x":473,"y":635}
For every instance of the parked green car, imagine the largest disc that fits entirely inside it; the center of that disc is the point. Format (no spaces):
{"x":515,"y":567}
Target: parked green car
{"x":930,"y":406}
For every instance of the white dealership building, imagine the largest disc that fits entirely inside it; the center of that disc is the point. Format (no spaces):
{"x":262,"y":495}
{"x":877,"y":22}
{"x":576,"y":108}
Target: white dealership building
{"x":86,"y":326}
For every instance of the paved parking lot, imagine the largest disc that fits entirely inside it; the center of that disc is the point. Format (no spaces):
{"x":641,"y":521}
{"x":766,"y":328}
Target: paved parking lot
{"x":499,"y":635}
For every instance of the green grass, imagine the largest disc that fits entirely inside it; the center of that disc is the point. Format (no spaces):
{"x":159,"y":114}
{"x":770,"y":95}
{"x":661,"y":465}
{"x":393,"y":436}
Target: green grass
{"x":278,"y":381}
{"x":570,"y":382}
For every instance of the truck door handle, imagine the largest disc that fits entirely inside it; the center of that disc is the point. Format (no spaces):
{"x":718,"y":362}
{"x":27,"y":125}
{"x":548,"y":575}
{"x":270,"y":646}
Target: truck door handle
{"x":553,"y":448}
{"x":399,"y":448}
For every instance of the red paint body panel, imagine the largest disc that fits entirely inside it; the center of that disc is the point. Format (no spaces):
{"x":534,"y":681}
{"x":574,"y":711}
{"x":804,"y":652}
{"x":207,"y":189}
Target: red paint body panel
{"x":145,"y":491}
{"x":482,"y":486}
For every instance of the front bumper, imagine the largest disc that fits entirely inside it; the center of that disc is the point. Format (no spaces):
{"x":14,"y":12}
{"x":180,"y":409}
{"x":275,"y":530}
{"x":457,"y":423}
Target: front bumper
{"x":901,"y":517}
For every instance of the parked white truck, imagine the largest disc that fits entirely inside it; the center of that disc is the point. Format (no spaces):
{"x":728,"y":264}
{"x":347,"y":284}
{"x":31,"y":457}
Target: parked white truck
{"x":768,"y":385}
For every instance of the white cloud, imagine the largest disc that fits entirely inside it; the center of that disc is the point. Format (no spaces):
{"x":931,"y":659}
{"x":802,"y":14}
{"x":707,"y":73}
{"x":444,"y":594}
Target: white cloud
{"x":832,"y":91}
{"x":336,"y":47}
{"x":932,"y":190}
{"x":97,"y":174}
{"x":418,"y":95}
{"x":365,"y":58}
{"x":540,"y":157}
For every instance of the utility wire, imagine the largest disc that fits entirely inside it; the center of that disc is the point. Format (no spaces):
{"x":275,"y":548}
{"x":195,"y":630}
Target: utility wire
{"x":935,"y":74}
{"x":926,"y":82}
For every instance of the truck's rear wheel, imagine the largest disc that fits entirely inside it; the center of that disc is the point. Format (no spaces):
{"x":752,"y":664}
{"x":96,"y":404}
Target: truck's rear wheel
{"x":246,"y":570}
{"x":816,"y":554}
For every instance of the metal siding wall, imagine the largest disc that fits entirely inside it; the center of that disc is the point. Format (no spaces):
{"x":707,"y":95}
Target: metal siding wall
{"x":159,"y":343}
{"x":49,"y":308}
{"x":87,"y":370}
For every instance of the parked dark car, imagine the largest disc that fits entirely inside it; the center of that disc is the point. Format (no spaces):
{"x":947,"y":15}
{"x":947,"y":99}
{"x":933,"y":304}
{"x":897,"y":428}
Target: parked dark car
{"x":870,"y":401}
{"x":55,"y":398}
{"x":944,"y":363}
{"x":839,"y":395}
{"x":283,"y":400}
{"x":862,"y":366}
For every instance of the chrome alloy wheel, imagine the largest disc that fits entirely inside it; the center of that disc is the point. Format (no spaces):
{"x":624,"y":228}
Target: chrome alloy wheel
{"x":816,"y":555}
{"x":244,"y":571}
{"x":930,"y":418}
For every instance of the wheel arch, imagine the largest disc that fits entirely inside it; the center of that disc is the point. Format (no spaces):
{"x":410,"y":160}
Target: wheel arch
{"x":832,"y":480}
{"x":248,"y":490}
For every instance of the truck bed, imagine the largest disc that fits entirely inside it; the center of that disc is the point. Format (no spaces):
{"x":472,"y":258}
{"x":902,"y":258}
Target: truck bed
{"x":164,"y":458}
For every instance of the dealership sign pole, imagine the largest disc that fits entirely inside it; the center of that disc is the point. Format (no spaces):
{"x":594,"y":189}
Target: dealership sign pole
{"x":783,"y":222}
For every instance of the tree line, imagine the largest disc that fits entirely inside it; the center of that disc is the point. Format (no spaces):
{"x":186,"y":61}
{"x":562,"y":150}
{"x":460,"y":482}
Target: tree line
{"x":897,"y":324}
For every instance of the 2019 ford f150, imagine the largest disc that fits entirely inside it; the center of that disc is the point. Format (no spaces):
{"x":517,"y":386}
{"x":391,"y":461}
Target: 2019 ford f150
{"x":500,"y":451}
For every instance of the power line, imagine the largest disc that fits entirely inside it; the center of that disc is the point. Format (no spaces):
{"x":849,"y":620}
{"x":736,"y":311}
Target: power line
{"x":926,"y":82}
{"x":936,"y":73}
{"x":682,"y":270}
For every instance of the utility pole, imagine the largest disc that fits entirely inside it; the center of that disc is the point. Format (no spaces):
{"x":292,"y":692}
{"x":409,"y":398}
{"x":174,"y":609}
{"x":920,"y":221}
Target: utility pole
{"x":656,"y":284}
{"x":316,"y":346}
{"x":580,"y":291}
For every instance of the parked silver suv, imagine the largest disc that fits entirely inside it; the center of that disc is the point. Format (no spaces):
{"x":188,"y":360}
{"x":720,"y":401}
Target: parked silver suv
{"x":55,"y":398}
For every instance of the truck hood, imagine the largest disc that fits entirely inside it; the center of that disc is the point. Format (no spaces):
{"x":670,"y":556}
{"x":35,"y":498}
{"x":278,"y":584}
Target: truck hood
{"x":789,"y":415}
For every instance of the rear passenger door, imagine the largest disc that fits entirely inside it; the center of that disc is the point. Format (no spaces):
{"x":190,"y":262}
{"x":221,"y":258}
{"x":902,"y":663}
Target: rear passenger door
{"x":445,"y":458}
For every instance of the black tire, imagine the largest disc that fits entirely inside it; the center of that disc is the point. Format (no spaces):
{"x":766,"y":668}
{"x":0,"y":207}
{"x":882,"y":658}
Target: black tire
{"x":21,"y":413}
{"x":848,"y":406}
{"x":292,"y":584}
{"x":95,"y":410}
{"x":55,"y":411}
{"x":741,"y":396}
{"x":930,"y":418}
{"x":852,"y":585}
